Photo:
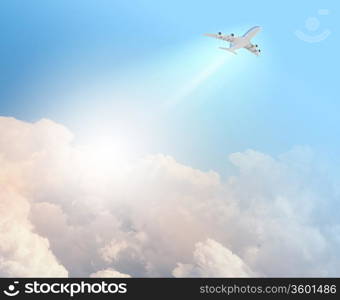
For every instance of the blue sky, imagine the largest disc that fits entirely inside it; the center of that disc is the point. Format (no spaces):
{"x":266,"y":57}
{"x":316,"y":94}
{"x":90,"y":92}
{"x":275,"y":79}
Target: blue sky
{"x":143,"y":70}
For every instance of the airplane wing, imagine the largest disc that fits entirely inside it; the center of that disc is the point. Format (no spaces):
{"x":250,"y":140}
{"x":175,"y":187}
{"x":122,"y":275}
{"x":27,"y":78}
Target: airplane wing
{"x":224,"y":37}
{"x":252,"y":32}
{"x":253,"y":49}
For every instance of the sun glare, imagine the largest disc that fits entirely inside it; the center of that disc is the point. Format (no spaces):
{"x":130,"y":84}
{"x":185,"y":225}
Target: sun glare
{"x":104,"y":153}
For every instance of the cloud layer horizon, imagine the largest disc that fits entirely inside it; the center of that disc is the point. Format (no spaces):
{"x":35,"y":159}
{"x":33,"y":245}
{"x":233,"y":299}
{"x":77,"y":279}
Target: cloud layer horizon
{"x":65,"y":212}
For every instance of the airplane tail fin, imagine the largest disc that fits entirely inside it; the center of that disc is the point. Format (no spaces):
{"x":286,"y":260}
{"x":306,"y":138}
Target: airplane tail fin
{"x":228,"y":49}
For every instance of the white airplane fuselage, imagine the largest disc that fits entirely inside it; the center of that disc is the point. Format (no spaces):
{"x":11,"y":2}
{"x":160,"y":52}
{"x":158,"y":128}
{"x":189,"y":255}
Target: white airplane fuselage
{"x":238,"y":43}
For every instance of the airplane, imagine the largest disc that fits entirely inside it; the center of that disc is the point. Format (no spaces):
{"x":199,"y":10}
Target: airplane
{"x":238,"y":42}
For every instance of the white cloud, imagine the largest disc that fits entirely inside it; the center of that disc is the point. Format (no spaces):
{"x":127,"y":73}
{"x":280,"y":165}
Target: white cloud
{"x":211,"y":259}
{"x":275,"y":216}
{"x":111,"y":251}
{"x":109,"y":273}
{"x":23,"y":253}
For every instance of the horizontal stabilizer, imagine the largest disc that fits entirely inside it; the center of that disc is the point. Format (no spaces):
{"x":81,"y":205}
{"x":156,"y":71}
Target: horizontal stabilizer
{"x":228,"y":49}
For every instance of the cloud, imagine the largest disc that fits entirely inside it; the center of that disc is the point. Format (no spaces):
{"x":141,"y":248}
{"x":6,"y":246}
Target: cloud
{"x":84,"y":210}
{"x":213,"y":260}
{"x":109,"y":273}
{"x":111,"y":251}
{"x":23,"y":253}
